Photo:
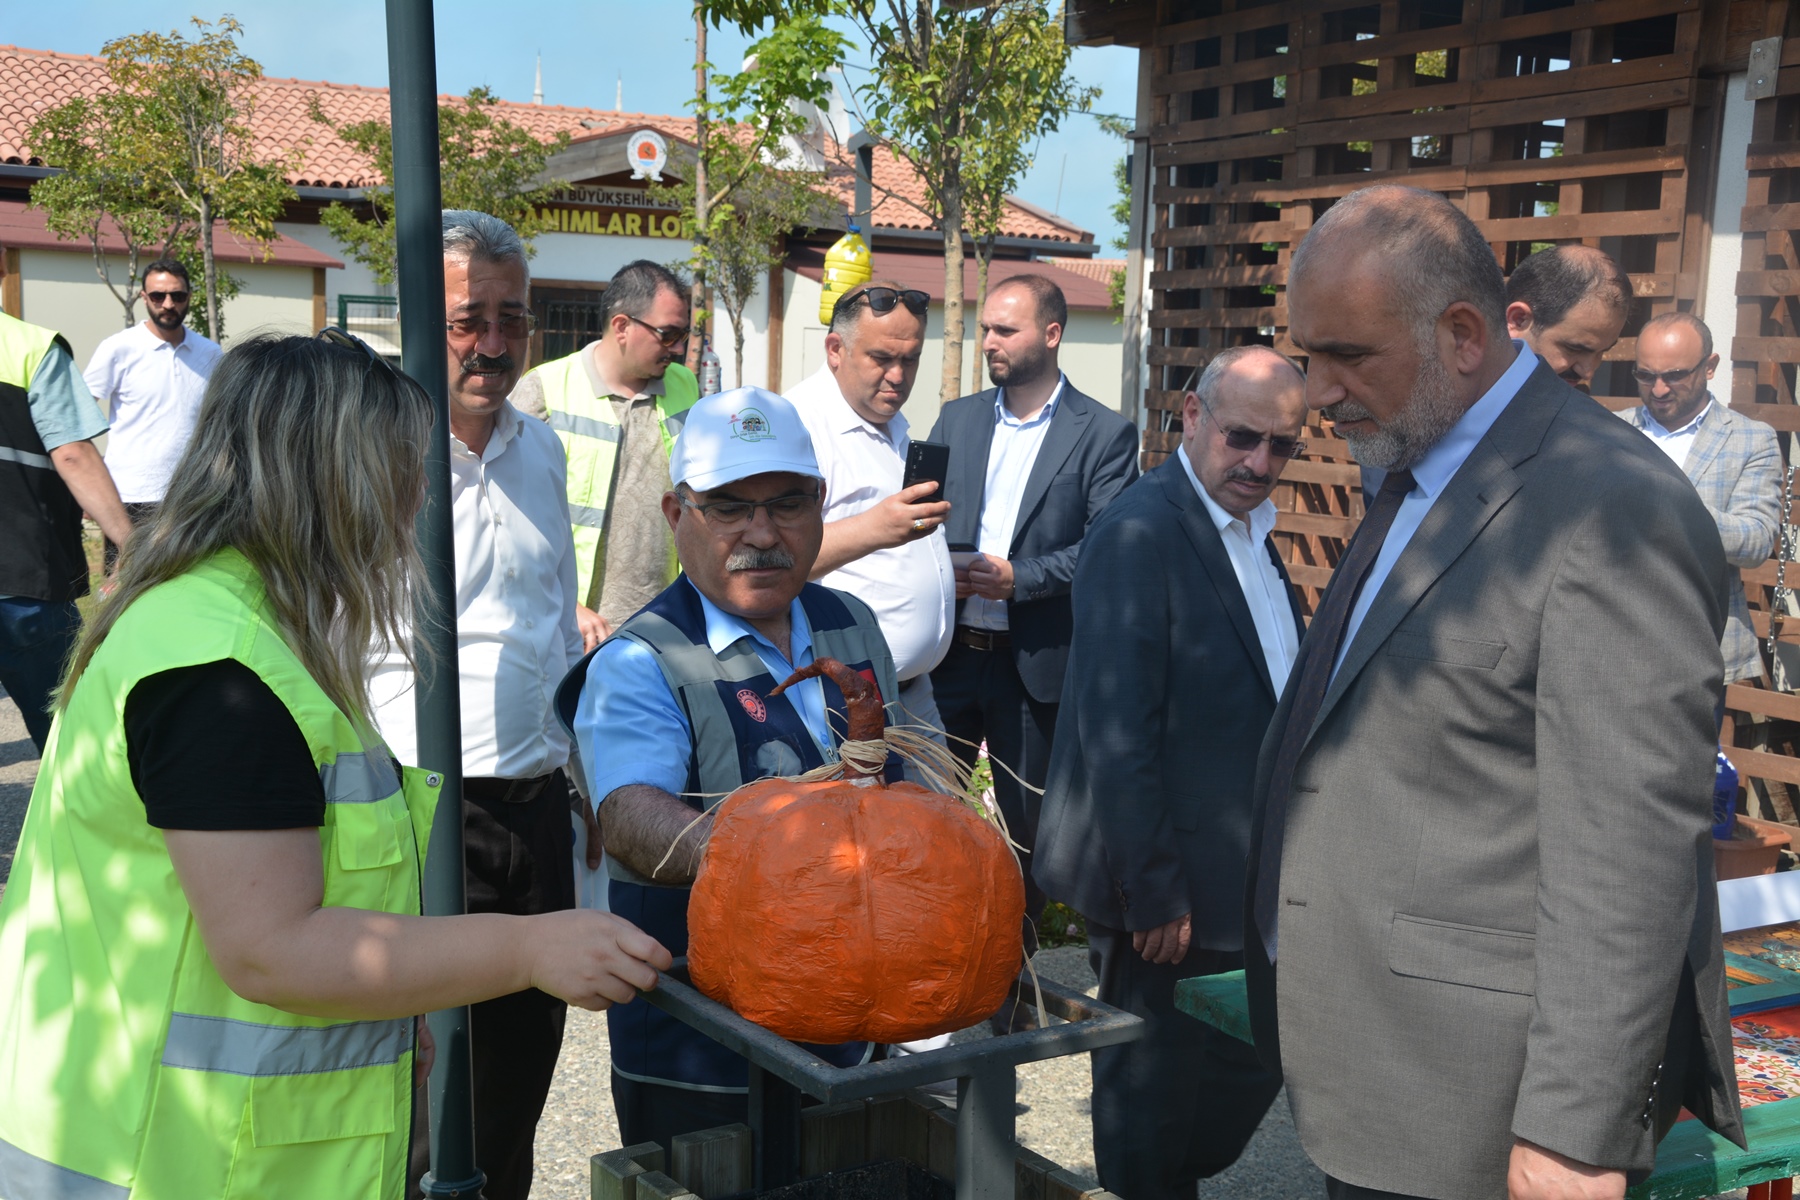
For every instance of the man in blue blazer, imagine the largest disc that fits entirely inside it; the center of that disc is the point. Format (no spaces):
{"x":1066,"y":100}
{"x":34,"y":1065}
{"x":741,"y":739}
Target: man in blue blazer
{"x":1186,"y":628}
{"x":1032,"y":463}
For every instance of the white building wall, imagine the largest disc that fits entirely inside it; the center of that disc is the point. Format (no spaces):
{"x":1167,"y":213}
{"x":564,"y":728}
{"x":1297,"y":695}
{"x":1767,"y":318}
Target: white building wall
{"x":353,"y":279}
{"x":62,"y":291}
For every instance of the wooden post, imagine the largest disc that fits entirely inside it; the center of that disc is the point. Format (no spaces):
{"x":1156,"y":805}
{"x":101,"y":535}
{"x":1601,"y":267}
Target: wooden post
{"x":12,"y":293}
{"x":713,"y":1162}
{"x":654,"y":1185}
{"x":833,"y":1137}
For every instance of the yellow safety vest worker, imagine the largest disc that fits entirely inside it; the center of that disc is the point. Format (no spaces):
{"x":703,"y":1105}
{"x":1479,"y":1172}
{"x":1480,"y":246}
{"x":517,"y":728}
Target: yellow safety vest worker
{"x":590,"y":437}
{"x":40,"y":555}
{"x":131,"y":1071}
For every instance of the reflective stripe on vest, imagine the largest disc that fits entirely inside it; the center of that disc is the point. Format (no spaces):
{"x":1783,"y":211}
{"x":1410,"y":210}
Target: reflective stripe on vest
{"x":27,"y":1177}
{"x":26,"y":458}
{"x":564,"y":422}
{"x":199,"y":1043}
{"x":359,"y":778}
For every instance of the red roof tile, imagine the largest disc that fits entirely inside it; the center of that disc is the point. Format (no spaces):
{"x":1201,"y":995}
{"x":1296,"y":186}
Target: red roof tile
{"x":32,"y":81}
{"x":22,"y":227}
{"x":1092,"y":268}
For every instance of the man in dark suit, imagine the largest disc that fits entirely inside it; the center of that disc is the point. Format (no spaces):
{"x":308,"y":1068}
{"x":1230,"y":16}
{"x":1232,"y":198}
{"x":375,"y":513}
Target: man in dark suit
{"x":1480,"y":863}
{"x":1032,"y":463}
{"x":1185,"y":631}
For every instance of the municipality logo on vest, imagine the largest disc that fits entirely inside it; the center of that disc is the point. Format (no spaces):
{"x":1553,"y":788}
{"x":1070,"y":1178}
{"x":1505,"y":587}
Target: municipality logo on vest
{"x":750,"y":425}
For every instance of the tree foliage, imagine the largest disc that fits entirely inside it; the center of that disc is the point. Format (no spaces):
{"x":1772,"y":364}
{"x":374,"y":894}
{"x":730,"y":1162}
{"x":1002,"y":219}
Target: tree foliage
{"x":946,"y":85}
{"x":488,"y":164}
{"x":160,"y":156}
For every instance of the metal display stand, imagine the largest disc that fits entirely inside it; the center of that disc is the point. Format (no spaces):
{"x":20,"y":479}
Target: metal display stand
{"x":781,"y":1072}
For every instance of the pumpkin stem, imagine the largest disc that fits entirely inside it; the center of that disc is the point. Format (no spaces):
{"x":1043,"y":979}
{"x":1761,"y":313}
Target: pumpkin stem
{"x":860,"y":697}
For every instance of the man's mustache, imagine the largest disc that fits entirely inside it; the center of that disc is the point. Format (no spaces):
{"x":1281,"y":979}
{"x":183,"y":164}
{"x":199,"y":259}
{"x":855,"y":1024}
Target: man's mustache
{"x":1246,"y":475}
{"x":752,"y":558}
{"x":1345,"y":410}
{"x":481,"y":364}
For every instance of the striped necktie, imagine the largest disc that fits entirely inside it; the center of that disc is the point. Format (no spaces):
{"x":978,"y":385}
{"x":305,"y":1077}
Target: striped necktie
{"x":1317,"y":658}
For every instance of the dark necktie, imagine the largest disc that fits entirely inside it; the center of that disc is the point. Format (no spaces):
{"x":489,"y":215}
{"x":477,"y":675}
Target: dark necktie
{"x":1317,"y":657}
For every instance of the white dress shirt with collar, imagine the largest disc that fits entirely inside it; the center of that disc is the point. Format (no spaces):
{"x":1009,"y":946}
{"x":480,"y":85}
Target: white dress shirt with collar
{"x":516,"y":635}
{"x":1677,"y":442}
{"x":1246,"y":543}
{"x":153,"y":391}
{"x":1011,"y":456}
{"x":911,"y":587}
{"x":1432,"y":475}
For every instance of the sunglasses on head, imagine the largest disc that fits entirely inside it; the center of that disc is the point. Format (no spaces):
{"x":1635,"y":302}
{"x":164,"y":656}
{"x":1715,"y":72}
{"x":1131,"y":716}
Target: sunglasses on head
{"x":166,"y":297}
{"x":882,"y":301}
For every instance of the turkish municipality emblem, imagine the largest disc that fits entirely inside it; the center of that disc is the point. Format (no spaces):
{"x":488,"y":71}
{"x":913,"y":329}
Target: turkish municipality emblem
{"x":648,"y":154}
{"x":749,"y":425}
{"x":753,"y":705}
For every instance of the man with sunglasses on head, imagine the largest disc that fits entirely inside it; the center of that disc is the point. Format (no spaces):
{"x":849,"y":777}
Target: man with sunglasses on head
{"x":150,"y":378}
{"x":882,"y":543}
{"x":1186,"y":629}
{"x":675,"y":711}
{"x":1733,"y":460}
{"x":1032,"y":463}
{"x":516,"y":637}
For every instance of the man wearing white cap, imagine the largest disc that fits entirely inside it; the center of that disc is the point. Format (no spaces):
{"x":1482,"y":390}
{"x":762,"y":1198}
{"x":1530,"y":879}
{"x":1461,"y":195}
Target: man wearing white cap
{"x":675,"y":712}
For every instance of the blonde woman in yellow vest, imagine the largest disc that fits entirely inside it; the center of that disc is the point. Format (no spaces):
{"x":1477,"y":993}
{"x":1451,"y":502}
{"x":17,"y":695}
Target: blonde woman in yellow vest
{"x":618,"y":404}
{"x":210,"y":937}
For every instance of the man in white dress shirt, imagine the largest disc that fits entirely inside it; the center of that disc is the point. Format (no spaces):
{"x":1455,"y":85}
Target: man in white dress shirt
{"x":1185,"y":634}
{"x":150,"y":378}
{"x":516,"y":637}
{"x":882,"y":543}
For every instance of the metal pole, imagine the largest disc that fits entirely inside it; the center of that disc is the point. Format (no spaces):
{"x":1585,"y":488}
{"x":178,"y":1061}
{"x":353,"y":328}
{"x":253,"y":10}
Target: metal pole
{"x":418,"y":223}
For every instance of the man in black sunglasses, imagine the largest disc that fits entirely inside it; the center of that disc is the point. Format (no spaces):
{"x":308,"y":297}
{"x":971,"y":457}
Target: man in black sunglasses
{"x":1186,"y":628}
{"x":151,"y":377}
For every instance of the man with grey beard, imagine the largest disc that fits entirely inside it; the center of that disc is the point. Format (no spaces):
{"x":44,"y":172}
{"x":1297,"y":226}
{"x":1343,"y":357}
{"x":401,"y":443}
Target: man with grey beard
{"x":1517,"y":660}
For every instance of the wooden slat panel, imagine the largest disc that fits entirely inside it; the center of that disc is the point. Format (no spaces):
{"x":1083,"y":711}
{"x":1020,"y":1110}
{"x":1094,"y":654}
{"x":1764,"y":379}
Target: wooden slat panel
{"x":1762,"y":702}
{"x":1306,"y":470}
{"x":1761,"y":765}
{"x":1315,"y":523}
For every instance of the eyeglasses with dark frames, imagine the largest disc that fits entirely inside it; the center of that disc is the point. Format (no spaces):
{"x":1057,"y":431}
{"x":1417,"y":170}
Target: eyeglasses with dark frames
{"x":1669,"y":378}
{"x":882,"y":301}
{"x":166,"y":297}
{"x":730,"y":516}
{"x":512,"y":325}
{"x":1249,"y":439}
{"x":669,"y":336}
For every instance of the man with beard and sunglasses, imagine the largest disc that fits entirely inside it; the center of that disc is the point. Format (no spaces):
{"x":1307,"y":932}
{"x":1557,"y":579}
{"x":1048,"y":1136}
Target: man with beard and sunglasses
{"x":674,"y":711}
{"x":1482,"y":932}
{"x":150,"y":378}
{"x":1186,"y":627}
{"x":516,"y":637}
{"x":1032,"y":463}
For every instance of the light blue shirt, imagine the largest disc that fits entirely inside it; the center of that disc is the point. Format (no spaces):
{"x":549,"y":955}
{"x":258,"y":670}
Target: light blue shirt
{"x":1011,"y":456}
{"x":630,"y":726}
{"x":1431,"y":476}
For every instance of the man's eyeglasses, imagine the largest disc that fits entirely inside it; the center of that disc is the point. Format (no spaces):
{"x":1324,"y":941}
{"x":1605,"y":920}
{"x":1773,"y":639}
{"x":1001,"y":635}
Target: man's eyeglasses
{"x":1669,"y":378}
{"x":882,"y":300}
{"x":1249,"y":439}
{"x":166,"y":297}
{"x":729,"y":516}
{"x":512,"y":325}
{"x":670,"y":336}
{"x":338,"y":337}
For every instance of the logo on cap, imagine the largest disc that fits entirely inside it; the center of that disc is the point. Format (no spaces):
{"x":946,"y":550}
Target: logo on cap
{"x":749,"y":425}
{"x":753,"y":705}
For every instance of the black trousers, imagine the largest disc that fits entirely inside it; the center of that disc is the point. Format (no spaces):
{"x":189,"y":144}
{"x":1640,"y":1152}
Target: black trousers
{"x":517,"y":858}
{"x":980,"y":696}
{"x":656,"y":1112}
{"x":1180,"y":1103}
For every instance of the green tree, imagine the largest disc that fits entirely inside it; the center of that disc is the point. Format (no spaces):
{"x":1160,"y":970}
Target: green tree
{"x":941,"y":78}
{"x":198,"y":97}
{"x":488,"y":164}
{"x":103,"y":146}
{"x":753,"y":111}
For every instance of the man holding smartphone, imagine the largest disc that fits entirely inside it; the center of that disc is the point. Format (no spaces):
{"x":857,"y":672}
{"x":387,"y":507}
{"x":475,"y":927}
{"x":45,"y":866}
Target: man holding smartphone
{"x":882,"y":543}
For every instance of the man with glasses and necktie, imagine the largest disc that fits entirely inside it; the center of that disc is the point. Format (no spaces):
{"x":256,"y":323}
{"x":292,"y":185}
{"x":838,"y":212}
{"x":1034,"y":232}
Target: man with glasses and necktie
{"x":516,"y":637}
{"x":1186,"y":627}
{"x":1732,"y":459}
{"x":150,"y":379}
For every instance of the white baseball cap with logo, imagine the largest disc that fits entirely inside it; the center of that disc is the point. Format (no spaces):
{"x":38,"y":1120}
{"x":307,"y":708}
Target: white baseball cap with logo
{"x":733,"y":435}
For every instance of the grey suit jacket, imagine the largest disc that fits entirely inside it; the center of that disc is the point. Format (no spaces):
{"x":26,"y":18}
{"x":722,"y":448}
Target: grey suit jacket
{"x":1735,"y":465}
{"x":1497,"y":900}
{"x":1088,"y":455}
{"x":1146,"y":810}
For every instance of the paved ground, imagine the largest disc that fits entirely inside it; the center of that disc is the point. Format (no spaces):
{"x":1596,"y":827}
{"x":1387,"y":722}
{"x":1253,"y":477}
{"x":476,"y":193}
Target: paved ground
{"x":578,"y":1120}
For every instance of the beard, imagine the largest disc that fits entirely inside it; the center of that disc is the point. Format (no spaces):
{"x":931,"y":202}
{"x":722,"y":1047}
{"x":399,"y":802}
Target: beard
{"x":168,"y":318}
{"x":1019,"y":370}
{"x":1431,"y":411}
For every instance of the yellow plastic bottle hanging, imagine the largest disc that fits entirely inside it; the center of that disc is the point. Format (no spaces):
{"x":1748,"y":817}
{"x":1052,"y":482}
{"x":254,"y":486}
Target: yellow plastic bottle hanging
{"x":847,"y":265}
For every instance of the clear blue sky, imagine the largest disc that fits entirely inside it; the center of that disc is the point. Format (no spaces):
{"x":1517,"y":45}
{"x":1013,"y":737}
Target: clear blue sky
{"x":589,"y":48}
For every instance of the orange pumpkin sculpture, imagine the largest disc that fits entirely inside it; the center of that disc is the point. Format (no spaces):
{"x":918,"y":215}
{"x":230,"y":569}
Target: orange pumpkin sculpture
{"x":847,"y":909}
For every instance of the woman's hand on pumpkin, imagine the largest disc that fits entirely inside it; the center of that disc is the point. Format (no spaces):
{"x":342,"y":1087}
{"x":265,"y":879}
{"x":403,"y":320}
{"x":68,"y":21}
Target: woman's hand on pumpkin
{"x":592,"y":959}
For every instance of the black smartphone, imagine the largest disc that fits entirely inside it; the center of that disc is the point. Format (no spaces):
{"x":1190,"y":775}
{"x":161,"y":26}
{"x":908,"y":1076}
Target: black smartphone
{"x":927,"y":461}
